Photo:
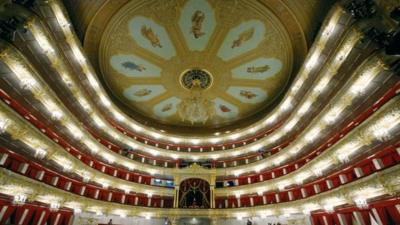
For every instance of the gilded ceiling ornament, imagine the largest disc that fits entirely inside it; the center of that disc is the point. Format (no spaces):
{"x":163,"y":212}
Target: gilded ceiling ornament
{"x":227,"y":8}
{"x":171,"y":9}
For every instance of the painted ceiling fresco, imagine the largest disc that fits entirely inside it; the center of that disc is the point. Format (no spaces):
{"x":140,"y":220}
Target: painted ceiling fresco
{"x":148,"y":45}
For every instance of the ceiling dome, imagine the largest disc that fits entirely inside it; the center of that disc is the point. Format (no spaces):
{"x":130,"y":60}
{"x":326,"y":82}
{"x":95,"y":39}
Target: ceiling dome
{"x":148,"y":48}
{"x":242,"y":52}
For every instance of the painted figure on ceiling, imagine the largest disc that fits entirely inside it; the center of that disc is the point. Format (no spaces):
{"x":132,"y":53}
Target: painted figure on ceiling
{"x":197,"y":24}
{"x":149,"y":34}
{"x":133,"y":66}
{"x":142,"y":92}
{"x":259,"y":69}
{"x":167,"y":107}
{"x":224,"y":108}
{"x":243,"y":37}
{"x":247,"y":94}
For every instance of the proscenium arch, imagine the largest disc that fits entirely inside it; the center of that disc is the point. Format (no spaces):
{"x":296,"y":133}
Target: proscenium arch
{"x":194,"y":193}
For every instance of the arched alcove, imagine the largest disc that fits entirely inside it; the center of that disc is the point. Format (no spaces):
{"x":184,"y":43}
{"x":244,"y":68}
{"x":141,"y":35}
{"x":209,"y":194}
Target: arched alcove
{"x":194,"y":193}
{"x":190,"y":174}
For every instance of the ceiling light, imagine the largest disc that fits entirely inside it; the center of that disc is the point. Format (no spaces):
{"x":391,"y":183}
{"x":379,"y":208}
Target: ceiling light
{"x":74,"y":130}
{"x":60,"y":16}
{"x":78,"y":54}
{"x":287,"y":104}
{"x":55,"y":112}
{"x":42,"y":40}
{"x":104,"y":100}
{"x":331,"y":203}
{"x":56,"y":115}
{"x":20,"y":199}
{"x":234,"y":136}
{"x":361,"y":202}
{"x":4,"y":123}
{"x":322,"y":84}
{"x":85,"y":176}
{"x":105,"y":184}
{"x":99,"y":122}
{"x":271,"y":119}
{"x":258,"y":168}
{"x":320,"y":167}
{"x":274,"y":137}
{"x":176,"y":140}
{"x":77,"y":210}
{"x":237,"y":173}
{"x":93,"y":147}
{"x":40,"y":153}
{"x":278,"y":160}
{"x":85,"y":105}
{"x":215,"y":140}
{"x":92,"y":81}
{"x":289,"y":125}
{"x":298,"y":83}
{"x":28,"y":83}
{"x":119,"y":116}
{"x":65,"y":163}
{"x":54,"y":206}
{"x":195,"y":141}
{"x":281,"y":186}
{"x":362,"y":82}
{"x":381,"y":129}
{"x":344,"y":152}
{"x":313,"y":60}
{"x":214,"y":157}
{"x":312,"y":134}
{"x":332,"y":114}
{"x":304,"y":108}
{"x":301,"y":177}
{"x":308,"y":208}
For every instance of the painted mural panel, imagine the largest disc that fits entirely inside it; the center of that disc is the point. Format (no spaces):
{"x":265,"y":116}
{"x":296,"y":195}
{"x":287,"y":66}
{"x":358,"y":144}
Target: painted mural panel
{"x":225,"y":109}
{"x":250,"y":95}
{"x":258,"y":69}
{"x":151,"y":36}
{"x":142,"y":93}
{"x":197,"y":23}
{"x":134,"y":66}
{"x":241,"y":39}
{"x":167,"y":107}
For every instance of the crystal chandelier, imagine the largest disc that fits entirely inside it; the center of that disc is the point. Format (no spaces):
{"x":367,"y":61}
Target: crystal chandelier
{"x":196,"y":108}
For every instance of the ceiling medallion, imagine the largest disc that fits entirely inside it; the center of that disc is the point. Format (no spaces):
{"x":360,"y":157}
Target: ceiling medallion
{"x":196,"y":108}
{"x":203,"y":76}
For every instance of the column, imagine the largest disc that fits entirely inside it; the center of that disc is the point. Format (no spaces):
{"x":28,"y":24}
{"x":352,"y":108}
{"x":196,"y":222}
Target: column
{"x":212,"y":197}
{"x":176,"y":196}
